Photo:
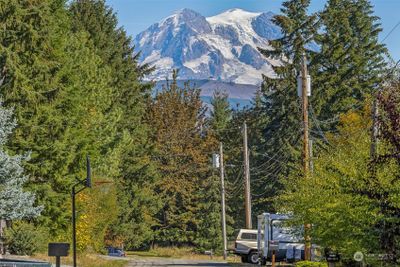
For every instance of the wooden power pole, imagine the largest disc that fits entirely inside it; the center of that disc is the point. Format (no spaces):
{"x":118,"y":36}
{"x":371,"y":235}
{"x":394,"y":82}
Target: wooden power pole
{"x":247,"y":198}
{"x":306,"y":152}
{"x":222,"y":171}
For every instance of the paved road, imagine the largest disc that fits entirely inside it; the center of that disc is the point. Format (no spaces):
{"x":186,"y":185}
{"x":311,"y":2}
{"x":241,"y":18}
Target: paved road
{"x":165,"y":262}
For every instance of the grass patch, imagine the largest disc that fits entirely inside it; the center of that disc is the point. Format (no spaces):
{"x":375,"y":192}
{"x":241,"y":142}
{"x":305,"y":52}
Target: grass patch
{"x":174,"y":252}
{"x":165,"y":252}
{"x":187,"y":253}
{"x":85,"y":260}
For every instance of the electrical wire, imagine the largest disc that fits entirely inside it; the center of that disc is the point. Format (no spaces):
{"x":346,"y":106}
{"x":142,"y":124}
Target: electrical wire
{"x":234,"y":191}
{"x":266,"y":189}
{"x":238,"y":177}
{"x":391,"y":31}
{"x":314,"y":119}
{"x":272,"y":166}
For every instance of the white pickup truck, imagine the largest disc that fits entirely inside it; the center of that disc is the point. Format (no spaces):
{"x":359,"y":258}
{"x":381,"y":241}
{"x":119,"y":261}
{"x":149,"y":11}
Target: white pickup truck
{"x":246,"y":245}
{"x":253,"y":245}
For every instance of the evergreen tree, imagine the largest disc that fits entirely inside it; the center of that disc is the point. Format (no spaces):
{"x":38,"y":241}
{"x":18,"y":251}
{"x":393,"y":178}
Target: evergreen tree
{"x":15,"y":202}
{"x":133,"y":167}
{"x":221,"y":113}
{"x":208,"y":235}
{"x":30,"y":52}
{"x":350,"y":61}
{"x":59,"y":88}
{"x":263,"y":186}
{"x":344,"y":68}
{"x":262,"y":167}
{"x":183,"y":149}
{"x":280,"y":101}
{"x":131,"y":151}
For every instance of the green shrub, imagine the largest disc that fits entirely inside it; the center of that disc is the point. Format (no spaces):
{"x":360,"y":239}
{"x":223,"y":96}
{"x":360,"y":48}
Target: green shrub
{"x":24,"y":238}
{"x":310,"y":264}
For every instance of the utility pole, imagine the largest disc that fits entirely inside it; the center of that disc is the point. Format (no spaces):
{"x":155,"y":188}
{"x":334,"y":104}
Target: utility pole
{"x":305,"y":90}
{"x":304,"y":96}
{"x":222,"y":171}
{"x":247,"y":198}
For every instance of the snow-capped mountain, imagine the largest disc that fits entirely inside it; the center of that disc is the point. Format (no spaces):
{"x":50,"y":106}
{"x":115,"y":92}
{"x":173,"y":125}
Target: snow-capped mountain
{"x":222,"y":47}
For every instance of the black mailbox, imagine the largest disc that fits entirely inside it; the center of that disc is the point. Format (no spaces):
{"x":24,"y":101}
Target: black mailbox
{"x":58,"y":249}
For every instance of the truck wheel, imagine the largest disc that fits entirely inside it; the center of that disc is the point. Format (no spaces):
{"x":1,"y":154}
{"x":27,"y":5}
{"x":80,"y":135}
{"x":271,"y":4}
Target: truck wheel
{"x":243,"y":258}
{"x":253,"y":257}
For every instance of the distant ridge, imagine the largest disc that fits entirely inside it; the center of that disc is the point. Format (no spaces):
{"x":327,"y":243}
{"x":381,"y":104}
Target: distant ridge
{"x":239,"y":91}
{"x":240,"y":95}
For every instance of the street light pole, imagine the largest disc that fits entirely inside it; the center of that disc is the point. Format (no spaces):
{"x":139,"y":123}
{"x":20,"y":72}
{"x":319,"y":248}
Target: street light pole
{"x":86,"y":183}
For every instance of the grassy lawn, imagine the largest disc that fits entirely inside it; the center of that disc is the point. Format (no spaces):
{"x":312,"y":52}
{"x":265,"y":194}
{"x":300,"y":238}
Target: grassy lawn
{"x":168,"y":252}
{"x":86,"y":260}
{"x":180,"y":253}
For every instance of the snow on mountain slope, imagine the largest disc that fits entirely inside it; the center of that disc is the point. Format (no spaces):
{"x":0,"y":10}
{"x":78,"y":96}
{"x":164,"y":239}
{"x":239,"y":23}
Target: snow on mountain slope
{"x":222,"y":47}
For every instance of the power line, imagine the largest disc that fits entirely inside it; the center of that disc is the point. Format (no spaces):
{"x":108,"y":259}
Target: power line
{"x":235,"y":183}
{"x":272,"y":166}
{"x":274,"y":172}
{"x":234,"y":191}
{"x":391,"y":31}
{"x":314,"y":119}
{"x":269,"y":174}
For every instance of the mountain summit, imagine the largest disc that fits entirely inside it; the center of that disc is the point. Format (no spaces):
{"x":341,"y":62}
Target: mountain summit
{"x":221,"y":47}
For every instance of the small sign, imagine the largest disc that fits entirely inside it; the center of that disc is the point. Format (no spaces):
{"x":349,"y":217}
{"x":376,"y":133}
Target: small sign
{"x":273,"y":245}
{"x":332,"y":256}
{"x":58,"y":249}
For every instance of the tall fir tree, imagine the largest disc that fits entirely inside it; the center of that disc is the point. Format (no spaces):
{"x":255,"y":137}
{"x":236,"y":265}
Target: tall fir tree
{"x":280,"y":101}
{"x":183,"y":151}
{"x":220,"y":114}
{"x":130,"y":148}
{"x":59,"y":89}
{"x":15,"y":202}
{"x":345,"y":64}
{"x":31,"y":74}
{"x":350,"y":62}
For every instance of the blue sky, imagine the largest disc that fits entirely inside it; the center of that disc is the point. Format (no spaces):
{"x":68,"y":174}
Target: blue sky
{"x":136,"y":15}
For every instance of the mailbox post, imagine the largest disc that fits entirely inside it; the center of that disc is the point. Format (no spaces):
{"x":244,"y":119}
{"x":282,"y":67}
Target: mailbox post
{"x":58,"y":250}
{"x":87,"y":182}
